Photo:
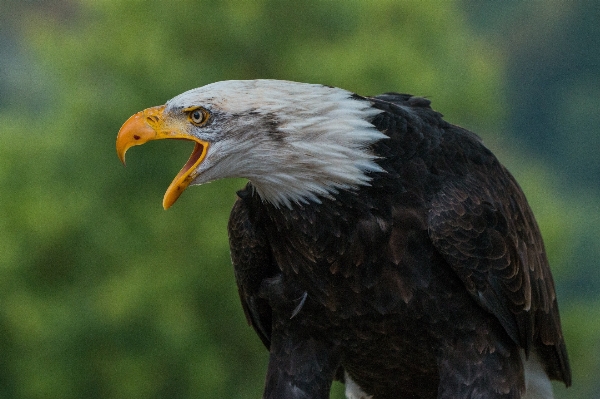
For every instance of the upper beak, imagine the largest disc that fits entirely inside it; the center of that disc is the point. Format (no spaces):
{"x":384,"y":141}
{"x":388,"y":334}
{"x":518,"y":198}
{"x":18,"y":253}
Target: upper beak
{"x":150,"y":124}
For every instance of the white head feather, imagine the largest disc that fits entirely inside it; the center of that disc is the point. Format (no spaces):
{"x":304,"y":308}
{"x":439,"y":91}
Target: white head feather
{"x":294,"y":141}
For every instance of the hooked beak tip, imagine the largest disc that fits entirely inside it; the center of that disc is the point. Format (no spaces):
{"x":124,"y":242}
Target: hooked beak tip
{"x":136,"y":130}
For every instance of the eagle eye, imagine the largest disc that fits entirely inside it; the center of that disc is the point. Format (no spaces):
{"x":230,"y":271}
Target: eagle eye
{"x":197,"y":115}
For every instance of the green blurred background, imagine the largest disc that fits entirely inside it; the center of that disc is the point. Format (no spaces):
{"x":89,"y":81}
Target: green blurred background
{"x":105,"y":295}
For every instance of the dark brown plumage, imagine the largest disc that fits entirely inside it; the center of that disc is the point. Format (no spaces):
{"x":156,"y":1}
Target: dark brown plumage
{"x":426,"y":284}
{"x":376,"y":243}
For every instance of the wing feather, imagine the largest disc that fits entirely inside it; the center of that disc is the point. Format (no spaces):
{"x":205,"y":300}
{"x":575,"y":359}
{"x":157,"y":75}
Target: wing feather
{"x":483,"y":226}
{"x":253,"y":264}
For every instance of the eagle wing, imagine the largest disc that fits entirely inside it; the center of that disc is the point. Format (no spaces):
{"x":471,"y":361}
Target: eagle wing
{"x":482,"y":225}
{"x":253,"y":264}
{"x":300,"y":367}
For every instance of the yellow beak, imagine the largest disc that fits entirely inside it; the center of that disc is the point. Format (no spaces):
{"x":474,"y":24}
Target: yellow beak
{"x":151,"y":124}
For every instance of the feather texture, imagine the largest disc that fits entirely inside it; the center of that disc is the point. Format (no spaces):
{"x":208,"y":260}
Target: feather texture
{"x":427,"y":283}
{"x":295,"y":142}
{"x":378,"y":244}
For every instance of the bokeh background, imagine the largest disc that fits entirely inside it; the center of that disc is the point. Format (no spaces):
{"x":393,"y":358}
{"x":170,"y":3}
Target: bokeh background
{"x":105,"y":295}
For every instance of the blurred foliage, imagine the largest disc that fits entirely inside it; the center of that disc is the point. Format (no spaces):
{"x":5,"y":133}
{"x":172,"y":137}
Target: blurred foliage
{"x":552,"y":64}
{"x":105,"y":295}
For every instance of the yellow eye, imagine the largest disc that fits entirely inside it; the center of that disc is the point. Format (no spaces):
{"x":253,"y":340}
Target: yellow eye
{"x":198,"y":115}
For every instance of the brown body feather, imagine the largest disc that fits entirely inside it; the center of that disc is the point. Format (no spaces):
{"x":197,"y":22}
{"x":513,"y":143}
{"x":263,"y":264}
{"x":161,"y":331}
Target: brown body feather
{"x":426,"y":284}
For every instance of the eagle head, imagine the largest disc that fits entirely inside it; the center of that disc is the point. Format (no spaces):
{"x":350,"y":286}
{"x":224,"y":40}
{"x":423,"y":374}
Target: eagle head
{"x":295,"y":142}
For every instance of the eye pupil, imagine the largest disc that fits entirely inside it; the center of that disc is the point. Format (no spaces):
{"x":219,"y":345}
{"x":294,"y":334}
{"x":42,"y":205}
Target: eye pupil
{"x":197,"y":116}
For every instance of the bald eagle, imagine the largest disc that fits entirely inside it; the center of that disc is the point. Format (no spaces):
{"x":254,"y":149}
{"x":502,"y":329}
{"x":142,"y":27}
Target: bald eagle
{"x":375,"y":243}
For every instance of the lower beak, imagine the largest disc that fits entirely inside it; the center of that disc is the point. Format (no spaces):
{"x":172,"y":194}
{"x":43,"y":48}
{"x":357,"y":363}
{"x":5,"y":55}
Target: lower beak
{"x":150,"y":124}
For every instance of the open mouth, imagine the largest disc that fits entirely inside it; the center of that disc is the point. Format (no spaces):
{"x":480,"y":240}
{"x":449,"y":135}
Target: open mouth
{"x":186,"y":175}
{"x":149,"y":125}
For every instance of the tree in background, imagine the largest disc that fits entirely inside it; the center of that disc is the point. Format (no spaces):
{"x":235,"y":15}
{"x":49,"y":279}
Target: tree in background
{"x":105,"y":295}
